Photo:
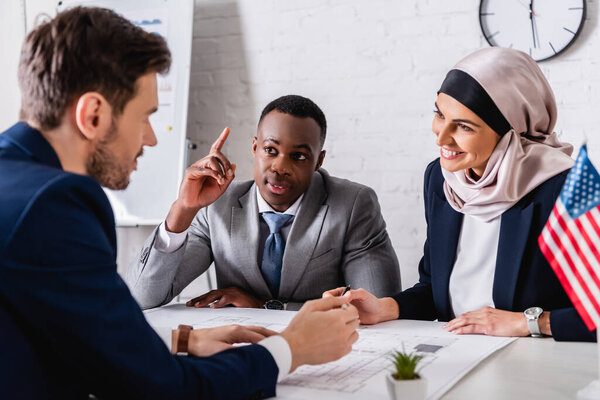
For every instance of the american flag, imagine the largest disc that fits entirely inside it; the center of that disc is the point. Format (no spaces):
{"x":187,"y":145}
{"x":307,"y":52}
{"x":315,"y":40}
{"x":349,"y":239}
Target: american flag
{"x":570,"y":241}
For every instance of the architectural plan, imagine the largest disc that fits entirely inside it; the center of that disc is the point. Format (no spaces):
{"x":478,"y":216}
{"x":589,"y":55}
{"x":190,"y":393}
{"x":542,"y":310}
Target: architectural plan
{"x":360,"y":374}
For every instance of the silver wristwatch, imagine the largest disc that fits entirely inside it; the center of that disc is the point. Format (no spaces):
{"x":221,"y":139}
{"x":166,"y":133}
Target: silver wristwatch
{"x":532,"y":315}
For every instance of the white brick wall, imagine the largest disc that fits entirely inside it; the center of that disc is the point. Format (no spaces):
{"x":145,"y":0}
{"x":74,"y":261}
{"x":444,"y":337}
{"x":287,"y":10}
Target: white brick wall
{"x":373,"y":67}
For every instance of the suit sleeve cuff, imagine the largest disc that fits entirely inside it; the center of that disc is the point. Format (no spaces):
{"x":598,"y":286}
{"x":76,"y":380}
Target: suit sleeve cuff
{"x":281,"y":352}
{"x":168,"y":242}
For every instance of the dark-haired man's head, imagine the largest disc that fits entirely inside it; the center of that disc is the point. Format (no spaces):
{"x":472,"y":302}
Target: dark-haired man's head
{"x":92,"y":69}
{"x":288,"y":149}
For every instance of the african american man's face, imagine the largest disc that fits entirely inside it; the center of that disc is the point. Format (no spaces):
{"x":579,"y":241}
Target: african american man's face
{"x":287,"y":151}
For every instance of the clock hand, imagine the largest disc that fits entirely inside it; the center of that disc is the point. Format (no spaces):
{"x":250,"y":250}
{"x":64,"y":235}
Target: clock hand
{"x":537,"y":33}
{"x":532,"y":23}
{"x":527,"y":8}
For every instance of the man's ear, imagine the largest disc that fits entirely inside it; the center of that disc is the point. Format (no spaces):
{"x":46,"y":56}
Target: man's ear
{"x":93,"y":115}
{"x":254,"y":145}
{"x":320,"y":159}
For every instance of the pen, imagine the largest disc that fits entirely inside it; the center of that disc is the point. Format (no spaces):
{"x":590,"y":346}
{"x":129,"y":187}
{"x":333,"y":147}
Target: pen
{"x":346,"y":289}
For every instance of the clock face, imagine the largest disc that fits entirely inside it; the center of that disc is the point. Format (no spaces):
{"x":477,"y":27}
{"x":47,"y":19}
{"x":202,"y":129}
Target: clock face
{"x":541,"y":28}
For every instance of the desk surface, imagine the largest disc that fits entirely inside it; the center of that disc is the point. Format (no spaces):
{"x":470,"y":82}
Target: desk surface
{"x":531,"y":369}
{"x":528,"y":368}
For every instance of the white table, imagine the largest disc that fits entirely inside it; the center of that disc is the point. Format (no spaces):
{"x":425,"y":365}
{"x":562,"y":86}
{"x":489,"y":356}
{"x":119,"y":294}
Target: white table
{"x":531,"y":369}
{"x":526,"y":369}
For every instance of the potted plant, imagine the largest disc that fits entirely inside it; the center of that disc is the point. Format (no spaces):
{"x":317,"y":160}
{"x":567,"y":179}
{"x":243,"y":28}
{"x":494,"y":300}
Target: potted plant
{"x":404,"y":382}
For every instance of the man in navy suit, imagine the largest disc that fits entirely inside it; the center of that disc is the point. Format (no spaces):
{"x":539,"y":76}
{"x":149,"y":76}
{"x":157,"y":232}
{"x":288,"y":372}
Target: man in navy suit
{"x":69,"y":326}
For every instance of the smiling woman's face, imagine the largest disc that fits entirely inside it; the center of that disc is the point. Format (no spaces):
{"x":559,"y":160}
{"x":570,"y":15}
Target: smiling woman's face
{"x":466,"y":142}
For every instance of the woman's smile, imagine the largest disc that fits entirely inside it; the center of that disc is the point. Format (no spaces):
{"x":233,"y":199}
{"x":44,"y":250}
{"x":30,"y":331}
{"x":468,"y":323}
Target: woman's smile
{"x":449,"y":154}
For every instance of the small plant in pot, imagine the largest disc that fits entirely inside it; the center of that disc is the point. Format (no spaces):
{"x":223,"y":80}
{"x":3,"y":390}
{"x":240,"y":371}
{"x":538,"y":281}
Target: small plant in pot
{"x":404,"y":382}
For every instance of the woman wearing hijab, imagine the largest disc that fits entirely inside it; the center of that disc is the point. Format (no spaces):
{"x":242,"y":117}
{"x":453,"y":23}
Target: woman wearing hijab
{"x":487,"y":199}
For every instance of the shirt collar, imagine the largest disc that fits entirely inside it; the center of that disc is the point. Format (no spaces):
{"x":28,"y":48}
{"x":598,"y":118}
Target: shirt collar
{"x":263,"y":206}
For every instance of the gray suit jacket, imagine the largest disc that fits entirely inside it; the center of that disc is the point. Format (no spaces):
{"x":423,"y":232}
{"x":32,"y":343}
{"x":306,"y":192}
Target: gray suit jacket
{"x":337,"y":238}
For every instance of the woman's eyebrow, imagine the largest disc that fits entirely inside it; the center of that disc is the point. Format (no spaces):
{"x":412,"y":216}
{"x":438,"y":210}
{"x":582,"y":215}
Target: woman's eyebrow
{"x":466,"y":121}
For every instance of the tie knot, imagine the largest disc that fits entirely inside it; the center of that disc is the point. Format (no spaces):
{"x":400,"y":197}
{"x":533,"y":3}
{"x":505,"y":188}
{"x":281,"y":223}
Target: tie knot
{"x":276,"y":221}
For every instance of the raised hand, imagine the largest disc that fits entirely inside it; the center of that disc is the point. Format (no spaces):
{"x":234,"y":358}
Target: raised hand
{"x":203,"y":183}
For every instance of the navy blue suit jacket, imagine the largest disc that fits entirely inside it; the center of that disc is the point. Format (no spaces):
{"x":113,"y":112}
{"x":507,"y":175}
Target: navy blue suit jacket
{"x":523,"y":277}
{"x":68,"y":324}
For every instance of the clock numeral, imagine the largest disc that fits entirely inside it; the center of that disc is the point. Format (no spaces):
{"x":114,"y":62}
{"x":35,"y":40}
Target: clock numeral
{"x":575,"y":8}
{"x":486,"y":14}
{"x":568,"y":30}
{"x":550,"y":43}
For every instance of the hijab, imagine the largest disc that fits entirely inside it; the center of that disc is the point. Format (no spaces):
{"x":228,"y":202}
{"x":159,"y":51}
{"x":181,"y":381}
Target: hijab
{"x":528,"y":153}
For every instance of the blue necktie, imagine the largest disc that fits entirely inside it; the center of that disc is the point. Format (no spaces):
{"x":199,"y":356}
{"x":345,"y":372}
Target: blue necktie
{"x":274,"y":247}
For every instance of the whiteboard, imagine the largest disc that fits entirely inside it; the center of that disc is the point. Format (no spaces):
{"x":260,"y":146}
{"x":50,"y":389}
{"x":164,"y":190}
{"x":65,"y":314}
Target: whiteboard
{"x":155,"y":184}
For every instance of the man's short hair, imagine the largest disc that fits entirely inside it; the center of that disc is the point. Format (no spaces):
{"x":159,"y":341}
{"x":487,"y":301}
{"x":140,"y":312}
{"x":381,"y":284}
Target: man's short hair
{"x":300,"y":107}
{"x":80,"y":50}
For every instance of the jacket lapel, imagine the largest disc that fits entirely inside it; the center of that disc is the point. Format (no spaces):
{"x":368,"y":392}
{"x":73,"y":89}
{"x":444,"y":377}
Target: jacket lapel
{"x":244,"y":242}
{"x":514,"y":231}
{"x":444,"y":230}
{"x":303,"y":236}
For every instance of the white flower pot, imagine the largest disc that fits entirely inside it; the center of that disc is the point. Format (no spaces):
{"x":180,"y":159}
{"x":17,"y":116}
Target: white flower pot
{"x":413,"y":389}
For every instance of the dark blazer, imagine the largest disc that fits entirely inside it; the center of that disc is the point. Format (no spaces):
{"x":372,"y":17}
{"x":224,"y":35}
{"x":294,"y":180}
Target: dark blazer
{"x":68,"y":324}
{"x":523,"y":277}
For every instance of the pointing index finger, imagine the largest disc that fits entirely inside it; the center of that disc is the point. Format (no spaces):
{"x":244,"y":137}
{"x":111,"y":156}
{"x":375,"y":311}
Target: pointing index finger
{"x":218,"y":144}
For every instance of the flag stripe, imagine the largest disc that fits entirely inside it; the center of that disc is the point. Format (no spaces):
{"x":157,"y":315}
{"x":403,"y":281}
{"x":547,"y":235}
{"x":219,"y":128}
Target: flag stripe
{"x":556,"y":266}
{"x":574,"y":290}
{"x":590,"y":238}
{"x":579,"y":254}
{"x":594,"y":217}
{"x":567,"y":271}
{"x":572,"y":256}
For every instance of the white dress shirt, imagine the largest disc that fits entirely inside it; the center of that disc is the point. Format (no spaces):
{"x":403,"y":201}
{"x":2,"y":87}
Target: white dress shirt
{"x":472,"y":278}
{"x":168,"y":242}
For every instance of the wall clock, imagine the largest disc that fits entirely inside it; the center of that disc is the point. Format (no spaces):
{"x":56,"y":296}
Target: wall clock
{"x":541,"y":28}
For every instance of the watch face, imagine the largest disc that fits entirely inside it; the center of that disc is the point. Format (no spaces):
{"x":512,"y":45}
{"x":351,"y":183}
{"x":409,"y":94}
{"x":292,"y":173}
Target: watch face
{"x":540,"y":28}
{"x":274,"y":305}
{"x":533,"y":311}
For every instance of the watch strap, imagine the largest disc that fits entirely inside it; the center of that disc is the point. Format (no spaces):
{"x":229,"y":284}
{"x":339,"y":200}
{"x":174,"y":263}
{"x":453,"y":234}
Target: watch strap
{"x":180,"y":339}
{"x":534,"y":327}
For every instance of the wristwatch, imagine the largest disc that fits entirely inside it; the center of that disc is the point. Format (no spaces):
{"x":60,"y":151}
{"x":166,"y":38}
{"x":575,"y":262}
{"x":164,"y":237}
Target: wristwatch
{"x":180,"y":338}
{"x":532,"y":315}
{"x":274,"y":305}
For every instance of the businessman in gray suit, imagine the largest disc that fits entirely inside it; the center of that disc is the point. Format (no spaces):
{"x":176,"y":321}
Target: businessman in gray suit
{"x":277,"y":241}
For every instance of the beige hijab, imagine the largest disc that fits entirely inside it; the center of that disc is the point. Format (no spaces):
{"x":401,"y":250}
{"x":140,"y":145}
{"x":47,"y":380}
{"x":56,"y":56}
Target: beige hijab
{"x":526,"y":156}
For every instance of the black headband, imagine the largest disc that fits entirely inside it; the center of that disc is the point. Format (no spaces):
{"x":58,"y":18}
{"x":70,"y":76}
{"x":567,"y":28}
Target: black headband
{"x":464,"y":88}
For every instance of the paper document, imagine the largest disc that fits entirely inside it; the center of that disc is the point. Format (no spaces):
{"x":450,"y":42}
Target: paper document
{"x":361,"y":374}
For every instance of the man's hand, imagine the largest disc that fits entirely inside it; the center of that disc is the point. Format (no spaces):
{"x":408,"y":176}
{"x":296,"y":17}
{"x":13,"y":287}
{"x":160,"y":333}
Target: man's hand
{"x":322,"y":331}
{"x":203,"y":183}
{"x":489,"y":321}
{"x":371,"y":310}
{"x":206,"y":342}
{"x":229,"y":296}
